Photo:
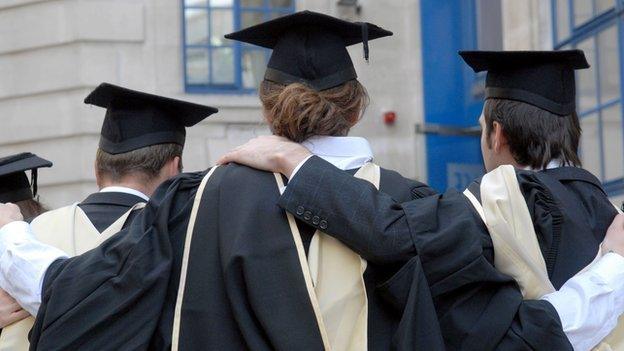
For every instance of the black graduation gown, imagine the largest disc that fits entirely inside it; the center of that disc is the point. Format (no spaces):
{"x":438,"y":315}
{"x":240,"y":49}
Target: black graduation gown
{"x":571,"y":213}
{"x":244,"y":287}
{"x":478,"y":307}
{"x":103,"y":209}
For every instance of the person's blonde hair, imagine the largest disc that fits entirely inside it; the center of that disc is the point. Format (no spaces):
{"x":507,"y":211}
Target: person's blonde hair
{"x":298,"y":112}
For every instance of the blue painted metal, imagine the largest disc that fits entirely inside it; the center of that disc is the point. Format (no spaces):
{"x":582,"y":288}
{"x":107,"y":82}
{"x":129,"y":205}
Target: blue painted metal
{"x":447,"y":27}
{"x":237,"y":11}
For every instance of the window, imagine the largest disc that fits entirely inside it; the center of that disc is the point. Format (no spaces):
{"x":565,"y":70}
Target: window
{"x":215,"y":64}
{"x":595,"y":26}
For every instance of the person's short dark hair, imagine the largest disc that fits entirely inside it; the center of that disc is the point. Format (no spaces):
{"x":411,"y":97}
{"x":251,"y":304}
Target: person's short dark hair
{"x":144,"y":162}
{"x":535,"y":136}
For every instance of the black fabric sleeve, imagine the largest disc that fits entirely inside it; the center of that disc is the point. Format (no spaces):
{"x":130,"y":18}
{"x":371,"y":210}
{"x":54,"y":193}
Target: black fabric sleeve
{"x":110,"y":298}
{"x":350,"y":209}
{"x":478,"y":307}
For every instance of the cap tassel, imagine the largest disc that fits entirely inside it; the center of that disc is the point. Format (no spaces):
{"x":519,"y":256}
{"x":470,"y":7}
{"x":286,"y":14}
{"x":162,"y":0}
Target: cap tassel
{"x":33,"y":182}
{"x":365,"y":40}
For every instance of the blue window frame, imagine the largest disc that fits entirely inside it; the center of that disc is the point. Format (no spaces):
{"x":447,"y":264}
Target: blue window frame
{"x":597,"y":28}
{"x":213,"y":64}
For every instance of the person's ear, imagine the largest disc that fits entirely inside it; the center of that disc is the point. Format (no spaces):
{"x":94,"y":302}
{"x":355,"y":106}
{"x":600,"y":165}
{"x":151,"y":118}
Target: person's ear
{"x":174,"y":166}
{"x":499,"y":140}
{"x":98,"y":176}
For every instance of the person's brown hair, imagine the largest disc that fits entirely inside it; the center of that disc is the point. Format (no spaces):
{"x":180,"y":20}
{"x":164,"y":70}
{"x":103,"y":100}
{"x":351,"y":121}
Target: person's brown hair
{"x":298,"y":112}
{"x":145,"y":162}
{"x":30,"y":209}
{"x":535,"y":136}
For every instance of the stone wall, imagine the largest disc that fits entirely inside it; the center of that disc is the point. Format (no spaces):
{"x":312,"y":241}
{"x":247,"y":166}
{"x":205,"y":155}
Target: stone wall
{"x":53,"y":52}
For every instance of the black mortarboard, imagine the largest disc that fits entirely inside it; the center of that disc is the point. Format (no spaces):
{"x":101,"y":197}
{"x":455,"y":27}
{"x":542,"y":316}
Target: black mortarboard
{"x":135,"y":119}
{"x":14,"y":184}
{"x":310,"y":47}
{"x":541,"y":78}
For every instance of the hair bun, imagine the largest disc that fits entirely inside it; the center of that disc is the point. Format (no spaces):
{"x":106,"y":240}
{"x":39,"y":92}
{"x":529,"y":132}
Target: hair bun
{"x":299,"y":112}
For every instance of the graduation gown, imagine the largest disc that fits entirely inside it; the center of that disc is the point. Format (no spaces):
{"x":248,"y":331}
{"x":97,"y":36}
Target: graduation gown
{"x":244,"y":287}
{"x":75,"y":229}
{"x":103,"y":209}
{"x":571,"y":213}
{"x":478,"y":307}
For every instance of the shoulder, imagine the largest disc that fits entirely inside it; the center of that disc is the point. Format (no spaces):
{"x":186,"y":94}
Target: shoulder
{"x":53,"y":215}
{"x":232,"y":176}
{"x":401,"y":188}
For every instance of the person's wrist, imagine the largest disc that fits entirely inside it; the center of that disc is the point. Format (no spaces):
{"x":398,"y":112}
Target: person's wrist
{"x":612,"y":249}
{"x":288,"y":161}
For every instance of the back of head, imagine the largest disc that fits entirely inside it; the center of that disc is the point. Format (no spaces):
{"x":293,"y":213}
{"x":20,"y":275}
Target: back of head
{"x":144,"y":165}
{"x":310,"y":86}
{"x":297,"y":112}
{"x":532,"y":96}
{"x":535,"y":136}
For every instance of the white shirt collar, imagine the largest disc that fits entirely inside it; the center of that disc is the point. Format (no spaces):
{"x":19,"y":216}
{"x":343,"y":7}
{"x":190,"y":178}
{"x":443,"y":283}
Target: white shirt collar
{"x":556,"y":163}
{"x":343,"y":152}
{"x":123,"y":189}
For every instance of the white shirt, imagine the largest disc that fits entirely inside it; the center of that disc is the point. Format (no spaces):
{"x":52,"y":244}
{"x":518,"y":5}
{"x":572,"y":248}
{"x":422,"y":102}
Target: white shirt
{"x":590,"y":303}
{"x":123,"y":189}
{"x":24,"y":260}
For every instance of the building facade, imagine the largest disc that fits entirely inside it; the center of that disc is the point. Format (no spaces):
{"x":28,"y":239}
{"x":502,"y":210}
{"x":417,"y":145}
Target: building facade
{"x":53,"y":52}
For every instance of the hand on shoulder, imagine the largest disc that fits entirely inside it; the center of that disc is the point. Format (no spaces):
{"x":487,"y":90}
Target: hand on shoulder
{"x":9,"y":213}
{"x":10,"y":311}
{"x":268,"y":153}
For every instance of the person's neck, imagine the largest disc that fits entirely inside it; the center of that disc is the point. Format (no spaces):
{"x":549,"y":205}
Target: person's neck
{"x":145,"y":188}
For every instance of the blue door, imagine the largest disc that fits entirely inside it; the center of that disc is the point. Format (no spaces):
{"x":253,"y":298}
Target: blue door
{"x":453,"y":94}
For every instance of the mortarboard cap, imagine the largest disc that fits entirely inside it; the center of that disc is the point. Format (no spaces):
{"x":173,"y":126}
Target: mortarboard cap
{"x":310,"y":47}
{"x":541,"y":78}
{"x":135,"y":119}
{"x":14,"y":184}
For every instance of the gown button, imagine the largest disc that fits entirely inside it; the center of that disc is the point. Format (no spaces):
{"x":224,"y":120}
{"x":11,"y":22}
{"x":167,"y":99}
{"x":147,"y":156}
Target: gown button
{"x":300,"y":210}
{"x":323,"y":225}
{"x":316,"y":220}
{"x":307,"y":215}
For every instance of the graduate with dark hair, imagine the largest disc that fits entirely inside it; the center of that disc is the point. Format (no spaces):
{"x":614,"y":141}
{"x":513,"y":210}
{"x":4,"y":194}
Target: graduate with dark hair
{"x":502,"y":258}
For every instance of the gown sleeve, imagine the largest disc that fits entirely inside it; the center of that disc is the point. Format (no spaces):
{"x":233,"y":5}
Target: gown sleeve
{"x":478,"y":307}
{"x":111,"y":297}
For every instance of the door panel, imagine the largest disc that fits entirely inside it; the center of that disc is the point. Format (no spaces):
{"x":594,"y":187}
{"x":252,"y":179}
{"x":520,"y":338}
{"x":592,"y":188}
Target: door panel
{"x":453,"y":93}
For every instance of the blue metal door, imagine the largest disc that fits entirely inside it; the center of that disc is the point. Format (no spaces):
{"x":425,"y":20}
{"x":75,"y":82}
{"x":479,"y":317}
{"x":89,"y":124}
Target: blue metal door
{"x":453,"y":94}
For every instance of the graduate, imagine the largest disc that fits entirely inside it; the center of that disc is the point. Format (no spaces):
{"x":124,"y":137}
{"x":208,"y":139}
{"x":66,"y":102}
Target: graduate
{"x":556,"y":212}
{"x":15,"y":187}
{"x":213,"y":263}
{"x":141,"y":146}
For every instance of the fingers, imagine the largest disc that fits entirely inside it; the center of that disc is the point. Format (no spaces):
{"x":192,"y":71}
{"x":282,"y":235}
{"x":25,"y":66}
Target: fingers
{"x":229,"y":157}
{"x":618,"y":222}
{"x":11,"y":211}
{"x":225,"y":159}
{"x":19,"y":315}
